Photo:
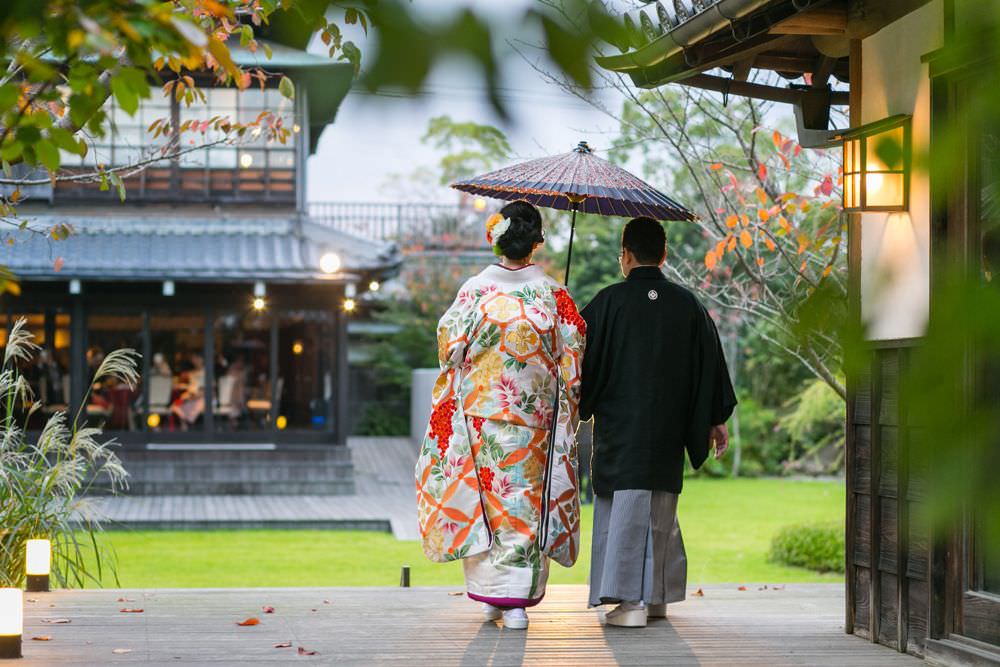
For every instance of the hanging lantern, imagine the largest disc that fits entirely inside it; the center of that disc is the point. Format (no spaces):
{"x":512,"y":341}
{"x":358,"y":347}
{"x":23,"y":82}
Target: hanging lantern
{"x":876,"y":165}
{"x":38,"y":563}
{"x":11,"y":622}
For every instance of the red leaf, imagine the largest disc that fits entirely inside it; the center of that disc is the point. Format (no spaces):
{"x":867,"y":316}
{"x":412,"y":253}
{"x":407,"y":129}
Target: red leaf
{"x":58,"y":264}
{"x":699,"y":593}
{"x":128,"y":610}
{"x":742,"y":588}
{"x":303,"y":651}
{"x":762,"y":171}
{"x":283,"y":645}
{"x":42,"y":638}
{"x":826,"y":187}
{"x":268,"y":610}
{"x":253,"y":620}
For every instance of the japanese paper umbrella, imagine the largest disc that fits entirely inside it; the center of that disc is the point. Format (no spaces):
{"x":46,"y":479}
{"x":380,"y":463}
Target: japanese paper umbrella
{"x":577,"y":181}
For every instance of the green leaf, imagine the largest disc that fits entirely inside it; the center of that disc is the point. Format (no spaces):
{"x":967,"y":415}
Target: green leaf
{"x":127,"y":98}
{"x":351,"y":54}
{"x":286,"y":88}
{"x":8,"y":96}
{"x":119,"y":185}
{"x":570,"y":51}
{"x":267,"y":50}
{"x":12,"y":151}
{"x":65,"y":140}
{"x":246,"y":35}
{"x":47,"y":154}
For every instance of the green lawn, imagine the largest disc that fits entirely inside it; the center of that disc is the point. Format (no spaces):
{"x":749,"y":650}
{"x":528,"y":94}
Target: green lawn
{"x":727,"y":525}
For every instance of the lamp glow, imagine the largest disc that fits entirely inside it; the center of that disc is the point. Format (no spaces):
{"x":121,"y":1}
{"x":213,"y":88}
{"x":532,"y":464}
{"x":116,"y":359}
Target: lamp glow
{"x":259,"y":303}
{"x":297,"y":347}
{"x":876,"y":166}
{"x":246,"y":160}
{"x":479,"y":204}
{"x":296,"y":128}
{"x":153,"y":420}
{"x":281,"y":422}
{"x":329,"y":262}
{"x":350,"y":305}
{"x":374,"y":286}
{"x":11,"y":622}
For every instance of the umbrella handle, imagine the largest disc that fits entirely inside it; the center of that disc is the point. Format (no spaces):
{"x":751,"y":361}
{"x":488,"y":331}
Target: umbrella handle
{"x":569,"y":255}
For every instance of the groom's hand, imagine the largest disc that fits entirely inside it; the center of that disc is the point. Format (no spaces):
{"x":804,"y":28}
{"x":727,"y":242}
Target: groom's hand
{"x":720,"y":437}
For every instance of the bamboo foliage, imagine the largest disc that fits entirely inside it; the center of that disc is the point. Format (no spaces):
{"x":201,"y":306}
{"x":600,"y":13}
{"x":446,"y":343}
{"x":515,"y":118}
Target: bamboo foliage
{"x":43,"y":483}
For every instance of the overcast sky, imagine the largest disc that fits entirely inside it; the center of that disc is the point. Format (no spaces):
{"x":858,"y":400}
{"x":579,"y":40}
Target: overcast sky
{"x":378,"y":136}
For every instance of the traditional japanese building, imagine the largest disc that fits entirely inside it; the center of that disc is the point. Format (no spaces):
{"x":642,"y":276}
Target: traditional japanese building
{"x":901,"y":69}
{"x":213,"y":270}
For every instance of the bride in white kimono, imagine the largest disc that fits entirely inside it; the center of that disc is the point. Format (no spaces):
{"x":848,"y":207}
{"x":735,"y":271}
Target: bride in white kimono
{"x":497,"y":472}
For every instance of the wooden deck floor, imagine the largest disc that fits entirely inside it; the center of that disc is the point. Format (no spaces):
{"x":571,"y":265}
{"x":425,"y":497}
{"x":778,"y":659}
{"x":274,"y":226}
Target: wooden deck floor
{"x":799,"y":625}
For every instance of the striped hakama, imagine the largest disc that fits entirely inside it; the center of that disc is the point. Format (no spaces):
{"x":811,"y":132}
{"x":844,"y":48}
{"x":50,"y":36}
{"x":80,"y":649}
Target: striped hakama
{"x":638,"y":551}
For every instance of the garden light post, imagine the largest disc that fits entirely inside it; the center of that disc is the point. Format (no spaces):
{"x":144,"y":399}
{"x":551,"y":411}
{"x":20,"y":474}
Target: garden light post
{"x":11,"y":622}
{"x":38,"y":564}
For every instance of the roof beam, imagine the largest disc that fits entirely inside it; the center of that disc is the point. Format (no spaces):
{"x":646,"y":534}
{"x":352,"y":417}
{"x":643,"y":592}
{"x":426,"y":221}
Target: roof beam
{"x":830,"y":20}
{"x":756,"y":90}
{"x":822,"y":71}
{"x":741,"y":69}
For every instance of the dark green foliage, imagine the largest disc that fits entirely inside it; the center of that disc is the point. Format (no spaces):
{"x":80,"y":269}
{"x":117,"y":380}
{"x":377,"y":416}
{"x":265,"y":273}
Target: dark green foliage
{"x":382,"y":419}
{"x":818,"y":547}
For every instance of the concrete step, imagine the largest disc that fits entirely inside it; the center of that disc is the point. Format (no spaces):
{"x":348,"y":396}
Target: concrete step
{"x":300,"y":469}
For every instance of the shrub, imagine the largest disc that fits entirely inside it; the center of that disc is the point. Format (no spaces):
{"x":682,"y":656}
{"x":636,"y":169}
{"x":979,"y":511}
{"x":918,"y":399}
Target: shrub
{"x":42,"y":483}
{"x":380,"y":419}
{"x":818,"y":547}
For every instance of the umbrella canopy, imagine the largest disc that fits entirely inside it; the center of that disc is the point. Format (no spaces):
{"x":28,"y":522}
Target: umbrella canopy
{"x":577,"y":181}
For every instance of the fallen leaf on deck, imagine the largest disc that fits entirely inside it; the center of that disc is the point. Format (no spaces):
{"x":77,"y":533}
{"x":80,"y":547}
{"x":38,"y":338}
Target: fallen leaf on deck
{"x":56,"y":621}
{"x":763,"y":588}
{"x":742,"y":588}
{"x":124,"y":600}
{"x":303,"y":651}
{"x":326,"y":602}
{"x":778,"y":588}
{"x":283,"y":645}
{"x":42,"y":638}
{"x":127,"y":610}
{"x":51,"y":605}
{"x":699,"y":593}
{"x":268,"y":610}
{"x":120,"y":651}
{"x":31,"y":600}
{"x":455,"y":593}
{"x":253,"y":620}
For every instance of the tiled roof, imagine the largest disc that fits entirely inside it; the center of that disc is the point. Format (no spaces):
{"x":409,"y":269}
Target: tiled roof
{"x":160,"y":247}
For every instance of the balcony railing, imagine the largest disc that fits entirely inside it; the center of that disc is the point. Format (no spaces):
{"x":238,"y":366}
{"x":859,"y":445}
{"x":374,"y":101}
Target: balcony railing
{"x":413,"y":226}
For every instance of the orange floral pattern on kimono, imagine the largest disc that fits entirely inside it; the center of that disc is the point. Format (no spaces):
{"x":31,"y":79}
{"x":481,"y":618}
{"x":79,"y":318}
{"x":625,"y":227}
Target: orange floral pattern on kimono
{"x":511,"y":343}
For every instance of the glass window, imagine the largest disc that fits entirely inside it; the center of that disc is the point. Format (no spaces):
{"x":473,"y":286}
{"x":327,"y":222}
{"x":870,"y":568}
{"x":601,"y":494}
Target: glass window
{"x":110,"y":402}
{"x":305,"y":380}
{"x":177,"y":372}
{"x":242,"y":372}
{"x":48,"y":371}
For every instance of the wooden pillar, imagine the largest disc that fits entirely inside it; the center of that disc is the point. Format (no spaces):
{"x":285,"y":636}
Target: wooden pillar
{"x":79,"y":373}
{"x":341,"y":374}
{"x":147,"y":365}
{"x":276,"y":386}
{"x":209,"y":388}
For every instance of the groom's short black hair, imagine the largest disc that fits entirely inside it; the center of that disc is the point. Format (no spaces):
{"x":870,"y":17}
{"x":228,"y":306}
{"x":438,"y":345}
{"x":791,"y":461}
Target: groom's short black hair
{"x":645,"y":238}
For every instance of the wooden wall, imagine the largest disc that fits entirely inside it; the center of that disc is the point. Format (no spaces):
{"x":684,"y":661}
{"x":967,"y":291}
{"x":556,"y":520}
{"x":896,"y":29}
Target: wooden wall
{"x":887,"y":547}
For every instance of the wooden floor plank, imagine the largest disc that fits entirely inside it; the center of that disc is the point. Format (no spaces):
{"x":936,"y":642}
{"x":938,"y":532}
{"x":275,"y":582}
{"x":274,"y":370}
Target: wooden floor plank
{"x":800,"y":625}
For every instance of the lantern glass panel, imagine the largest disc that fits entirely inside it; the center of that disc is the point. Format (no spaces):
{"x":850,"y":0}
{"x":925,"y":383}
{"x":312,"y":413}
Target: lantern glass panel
{"x":38,"y":557}
{"x":11,"y":612}
{"x":883,"y":189}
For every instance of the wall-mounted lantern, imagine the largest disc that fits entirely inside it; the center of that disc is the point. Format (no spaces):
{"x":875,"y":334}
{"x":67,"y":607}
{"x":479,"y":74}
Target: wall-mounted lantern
{"x":877,"y":165}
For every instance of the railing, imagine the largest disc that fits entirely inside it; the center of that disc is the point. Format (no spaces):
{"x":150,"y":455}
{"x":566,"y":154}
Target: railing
{"x":412,"y":226}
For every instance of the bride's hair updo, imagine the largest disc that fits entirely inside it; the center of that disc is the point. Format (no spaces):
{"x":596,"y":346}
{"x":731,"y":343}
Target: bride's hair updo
{"x":522,"y":232}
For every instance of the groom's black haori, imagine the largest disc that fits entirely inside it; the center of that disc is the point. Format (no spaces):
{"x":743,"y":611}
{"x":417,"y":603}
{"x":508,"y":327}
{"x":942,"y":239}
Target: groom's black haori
{"x":654,"y":379}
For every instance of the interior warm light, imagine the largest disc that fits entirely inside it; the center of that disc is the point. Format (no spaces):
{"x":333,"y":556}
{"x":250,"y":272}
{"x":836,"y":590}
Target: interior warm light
{"x":296,"y":128}
{"x":246,"y":160}
{"x":281,"y":422}
{"x":374,"y":286}
{"x":11,"y":622}
{"x":153,"y":420}
{"x":876,"y":166}
{"x":479,"y":204}
{"x":350,"y":305}
{"x":297,"y":347}
{"x":259,"y":303}
{"x":329,"y":262}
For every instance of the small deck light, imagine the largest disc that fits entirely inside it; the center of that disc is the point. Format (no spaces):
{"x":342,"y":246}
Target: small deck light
{"x":259,"y":303}
{"x":38,"y":564}
{"x":11,"y":622}
{"x":350,"y":305}
{"x":329,"y":262}
{"x":876,"y":165}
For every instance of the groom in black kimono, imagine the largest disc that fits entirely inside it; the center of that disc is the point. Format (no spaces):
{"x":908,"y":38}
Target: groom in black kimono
{"x":656,"y":383}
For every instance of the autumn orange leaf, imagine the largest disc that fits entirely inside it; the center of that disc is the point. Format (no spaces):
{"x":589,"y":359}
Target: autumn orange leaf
{"x":732,"y":221}
{"x":127,"y":610}
{"x":761,"y":196}
{"x":763,"y":214}
{"x":770,"y":244}
{"x":777,"y":139}
{"x":253,"y":620}
{"x":732,"y":244}
{"x":742,"y":588}
{"x":760,"y":261}
{"x":716,"y":167}
{"x":710,"y":260}
{"x":746,"y":239}
{"x":762,"y":171}
{"x":745,"y":219}
{"x":699,"y":593}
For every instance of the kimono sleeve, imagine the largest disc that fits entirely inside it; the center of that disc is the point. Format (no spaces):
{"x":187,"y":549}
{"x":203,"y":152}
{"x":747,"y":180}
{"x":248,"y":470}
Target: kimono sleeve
{"x":713,"y":400}
{"x":562,"y":517}
{"x":449,"y":510}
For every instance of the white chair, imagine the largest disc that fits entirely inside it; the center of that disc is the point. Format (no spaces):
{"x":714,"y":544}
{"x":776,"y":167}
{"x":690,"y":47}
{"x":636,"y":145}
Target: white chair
{"x":224,"y":404}
{"x":160,"y":387}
